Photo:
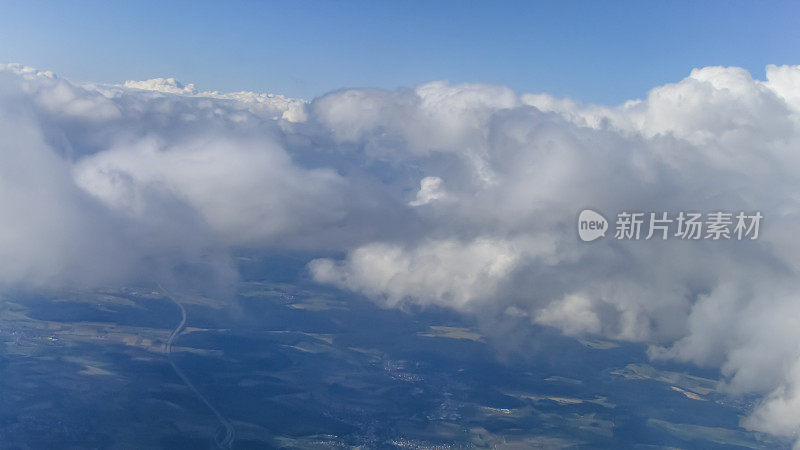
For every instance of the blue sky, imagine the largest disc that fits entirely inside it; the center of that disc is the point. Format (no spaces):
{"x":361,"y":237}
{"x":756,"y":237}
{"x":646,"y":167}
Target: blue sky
{"x":600,"y":52}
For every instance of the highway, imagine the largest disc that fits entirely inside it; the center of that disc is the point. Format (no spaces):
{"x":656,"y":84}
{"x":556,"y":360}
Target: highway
{"x":225,"y":439}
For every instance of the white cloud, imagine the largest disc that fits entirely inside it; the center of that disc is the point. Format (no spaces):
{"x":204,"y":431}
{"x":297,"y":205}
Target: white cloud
{"x":247,"y":191}
{"x":168,"y":85}
{"x":430,"y":189}
{"x":290,"y":109}
{"x":97,"y":179}
{"x":573,"y":314}
{"x":448,"y":273}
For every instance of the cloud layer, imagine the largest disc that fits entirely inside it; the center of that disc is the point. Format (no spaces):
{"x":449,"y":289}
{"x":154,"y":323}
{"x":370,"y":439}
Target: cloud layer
{"x":463,"y":196}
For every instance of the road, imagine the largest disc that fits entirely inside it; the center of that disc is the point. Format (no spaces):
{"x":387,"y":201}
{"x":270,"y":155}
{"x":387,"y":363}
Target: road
{"x":222,"y":440}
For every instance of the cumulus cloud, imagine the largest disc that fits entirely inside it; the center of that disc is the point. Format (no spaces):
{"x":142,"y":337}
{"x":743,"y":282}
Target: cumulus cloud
{"x":443,"y":272}
{"x":461,"y":196}
{"x":430,"y":189}
{"x":523,"y":167}
{"x":247,"y":191}
{"x":573,"y":314}
{"x":290,"y":109}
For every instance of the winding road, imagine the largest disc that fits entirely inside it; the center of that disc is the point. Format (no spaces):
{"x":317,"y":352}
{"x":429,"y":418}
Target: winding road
{"x":222,"y":440}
